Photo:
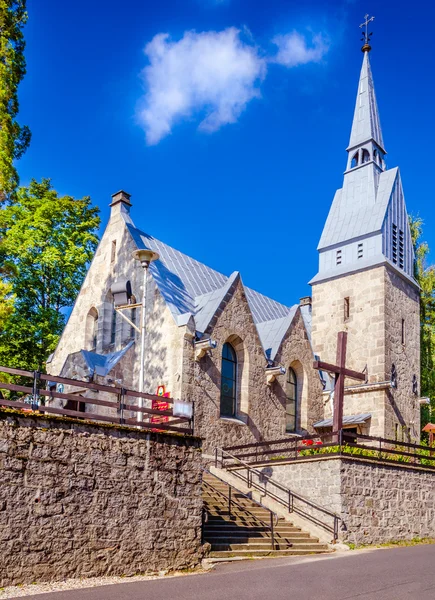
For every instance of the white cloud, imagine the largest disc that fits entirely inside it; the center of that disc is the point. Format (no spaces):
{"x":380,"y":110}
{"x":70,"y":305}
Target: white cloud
{"x":293,"y":49}
{"x":215,"y":72}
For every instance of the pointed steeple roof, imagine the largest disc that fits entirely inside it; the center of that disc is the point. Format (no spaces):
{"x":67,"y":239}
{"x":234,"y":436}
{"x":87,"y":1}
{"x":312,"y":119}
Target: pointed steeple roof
{"x":366,"y":125}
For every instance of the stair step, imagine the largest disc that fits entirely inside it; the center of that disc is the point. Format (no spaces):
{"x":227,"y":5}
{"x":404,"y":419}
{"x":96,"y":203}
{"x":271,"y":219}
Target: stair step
{"x":262,"y":553}
{"x":255,"y":535}
{"x":236,"y":519}
{"x":245,"y":532}
{"x":255,"y":531}
{"x":217,"y":509}
{"x":235,"y":547}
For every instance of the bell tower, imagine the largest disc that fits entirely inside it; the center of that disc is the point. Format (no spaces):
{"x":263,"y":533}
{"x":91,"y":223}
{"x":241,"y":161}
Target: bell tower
{"x":365,"y":283}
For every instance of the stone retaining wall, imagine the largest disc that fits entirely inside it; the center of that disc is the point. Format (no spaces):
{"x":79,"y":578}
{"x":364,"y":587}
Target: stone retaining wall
{"x":377,"y":503}
{"x":84,"y":500}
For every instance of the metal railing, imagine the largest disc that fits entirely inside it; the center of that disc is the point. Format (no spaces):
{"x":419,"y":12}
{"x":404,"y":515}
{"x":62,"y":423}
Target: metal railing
{"x":230,"y":500}
{"x":293,"y":502}
{"x":348,"y":444}
{"x":34,"y":400}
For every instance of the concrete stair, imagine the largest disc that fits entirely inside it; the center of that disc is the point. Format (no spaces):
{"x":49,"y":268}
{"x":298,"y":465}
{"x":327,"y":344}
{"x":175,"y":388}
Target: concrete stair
{"x":245,"y":532}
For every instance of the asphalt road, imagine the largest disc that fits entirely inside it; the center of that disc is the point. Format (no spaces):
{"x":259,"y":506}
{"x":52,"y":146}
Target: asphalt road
{"x":388,"y":574}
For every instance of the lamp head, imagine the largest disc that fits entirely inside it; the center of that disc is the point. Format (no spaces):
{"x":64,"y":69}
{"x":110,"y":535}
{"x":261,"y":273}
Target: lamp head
{"x":145,"y":257}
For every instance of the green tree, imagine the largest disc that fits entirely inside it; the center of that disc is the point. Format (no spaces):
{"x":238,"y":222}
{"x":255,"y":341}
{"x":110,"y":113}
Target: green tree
{"x":6,"y":303}
{"x":46,"y":244}
{"x":14,"y":139}
{"x":425,"y":275}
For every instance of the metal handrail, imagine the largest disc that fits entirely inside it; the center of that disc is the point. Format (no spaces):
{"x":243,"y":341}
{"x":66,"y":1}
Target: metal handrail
{"x":291,"y":496}
{"x":231,"y":501}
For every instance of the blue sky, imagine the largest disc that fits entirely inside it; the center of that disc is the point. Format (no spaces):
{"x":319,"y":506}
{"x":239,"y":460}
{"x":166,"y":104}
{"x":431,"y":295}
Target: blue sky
{"x":238,"y":172}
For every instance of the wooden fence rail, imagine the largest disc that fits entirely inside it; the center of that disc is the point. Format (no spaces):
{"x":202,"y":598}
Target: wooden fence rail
{"x":38,"y":394}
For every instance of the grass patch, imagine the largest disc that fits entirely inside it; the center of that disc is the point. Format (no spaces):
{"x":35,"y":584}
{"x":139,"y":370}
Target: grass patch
{"x":395,"y":543}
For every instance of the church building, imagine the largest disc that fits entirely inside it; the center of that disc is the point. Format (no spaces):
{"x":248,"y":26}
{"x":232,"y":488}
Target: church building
{"x":245,"y":360}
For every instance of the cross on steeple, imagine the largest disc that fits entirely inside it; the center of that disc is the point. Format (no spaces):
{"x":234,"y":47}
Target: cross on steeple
{"x":366,"y":35}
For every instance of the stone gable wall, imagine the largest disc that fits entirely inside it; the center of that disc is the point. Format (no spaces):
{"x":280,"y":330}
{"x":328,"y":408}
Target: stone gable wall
{"x":83,"y":500}
{"x":263,"y":416}
{"x":377,"y":503}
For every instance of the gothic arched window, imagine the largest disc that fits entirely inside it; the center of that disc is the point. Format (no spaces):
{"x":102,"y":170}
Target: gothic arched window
{"x":393,"y":376}
{"x":91,"y":329}
{"x":113,"y":326}
{"x":365,"y":156}
{"x":291,"y":401}
{"x":354,"y":162}
{"x":228,"y":382}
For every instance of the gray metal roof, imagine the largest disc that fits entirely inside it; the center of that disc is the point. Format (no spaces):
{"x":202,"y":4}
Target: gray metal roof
{"x":183,"y":280}
{"x":350,"y":420}
{"x":350,"y":217}
{"x":191,"y":288}
{"x":272,"y":332}
{"x":102,"y":364}
{"x":207,"y":305}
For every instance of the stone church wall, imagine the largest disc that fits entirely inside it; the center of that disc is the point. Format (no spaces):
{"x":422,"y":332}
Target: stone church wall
{"x":378,"y":300}
{"x":402,"y":407}
{"x":169,"y":351}
{"x":377,"y":503}
{"x":84,"y":500}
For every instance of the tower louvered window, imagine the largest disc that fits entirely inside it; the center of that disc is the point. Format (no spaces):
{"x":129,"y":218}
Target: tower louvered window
{"x":360,"y":250}
{"x":401,"y":249}
{"x":338,"y":257}
{"x":394,"y":243}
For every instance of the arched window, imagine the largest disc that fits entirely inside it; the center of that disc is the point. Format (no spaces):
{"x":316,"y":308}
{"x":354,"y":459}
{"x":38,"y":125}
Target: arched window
{"x":91,"y":329}
{"x":354,"y":162}
{"x":375,"y":156}
{"x":365,"y":156}
{"x":291,"y":401}
{"x":113,"y":326}
{"x":228,"y":382}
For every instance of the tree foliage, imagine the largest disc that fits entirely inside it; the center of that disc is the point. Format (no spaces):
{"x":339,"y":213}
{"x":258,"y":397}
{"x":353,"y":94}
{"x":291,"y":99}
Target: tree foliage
{"x":46,"y":244}
{"x":425,"y":275}
{"x":14,"y":139}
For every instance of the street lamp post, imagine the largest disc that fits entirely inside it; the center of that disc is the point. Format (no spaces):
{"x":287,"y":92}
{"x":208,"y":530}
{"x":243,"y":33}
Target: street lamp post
{"x":145,"y":257}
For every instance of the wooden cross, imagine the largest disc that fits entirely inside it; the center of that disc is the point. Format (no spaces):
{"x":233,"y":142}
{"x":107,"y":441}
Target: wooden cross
{"x":341,"y":372}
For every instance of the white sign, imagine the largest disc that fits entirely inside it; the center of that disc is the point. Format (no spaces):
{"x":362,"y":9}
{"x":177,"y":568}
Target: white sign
{"x":183,"y":409}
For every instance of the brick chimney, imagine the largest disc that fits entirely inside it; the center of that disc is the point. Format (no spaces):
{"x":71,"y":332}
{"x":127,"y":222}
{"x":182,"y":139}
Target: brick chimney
{"x":305,"y":301}
{"x":120,"y":203}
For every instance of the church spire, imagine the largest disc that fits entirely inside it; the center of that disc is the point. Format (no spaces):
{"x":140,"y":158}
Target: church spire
{"x":366,"y":126}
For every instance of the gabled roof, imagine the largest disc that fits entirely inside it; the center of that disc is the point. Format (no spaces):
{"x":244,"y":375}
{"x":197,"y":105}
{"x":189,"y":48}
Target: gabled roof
{"x":191,"y":288}
{"x":366,"y":124}
{"x":182,"y":281}
{"x":272,"y":332}
{"x":207,"y":305}
{"x":102,"y":364}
